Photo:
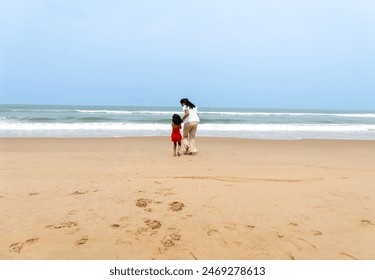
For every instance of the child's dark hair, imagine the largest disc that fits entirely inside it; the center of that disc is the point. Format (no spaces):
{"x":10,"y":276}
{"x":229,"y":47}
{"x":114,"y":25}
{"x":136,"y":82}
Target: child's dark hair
{"x":176,"y":119}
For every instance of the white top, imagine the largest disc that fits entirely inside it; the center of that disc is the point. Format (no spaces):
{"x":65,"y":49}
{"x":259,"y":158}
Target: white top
{"x":193,"y":114}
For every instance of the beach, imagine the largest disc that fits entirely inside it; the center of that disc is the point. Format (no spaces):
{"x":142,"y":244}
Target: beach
{"x":129,"y":198}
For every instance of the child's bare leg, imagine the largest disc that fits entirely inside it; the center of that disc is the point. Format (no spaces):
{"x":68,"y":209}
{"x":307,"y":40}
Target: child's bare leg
{"x":174,"y":148}
{"x":179,"y":148}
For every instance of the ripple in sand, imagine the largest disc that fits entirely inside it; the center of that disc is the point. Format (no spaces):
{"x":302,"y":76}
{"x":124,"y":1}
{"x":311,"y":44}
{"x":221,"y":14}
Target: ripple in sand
{"x":345,"y":254}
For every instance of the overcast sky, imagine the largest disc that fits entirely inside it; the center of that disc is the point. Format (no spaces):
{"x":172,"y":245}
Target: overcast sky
{"x":234,"y":53}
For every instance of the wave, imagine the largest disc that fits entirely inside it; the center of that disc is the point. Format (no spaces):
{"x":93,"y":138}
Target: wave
{"x":125,"y":112}
{"x":106,"y":126}
{"x":290,"y":114}
{"x":145,"y":112}
{"x":289,"y":127}
{"x":36,"y":110}
{"x":94,"y":119}
{"x":201,"y":112}
{"x":36,"y":119}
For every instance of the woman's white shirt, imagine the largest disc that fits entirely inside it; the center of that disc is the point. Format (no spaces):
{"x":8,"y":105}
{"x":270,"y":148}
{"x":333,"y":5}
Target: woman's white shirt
{"x":193,"y":114}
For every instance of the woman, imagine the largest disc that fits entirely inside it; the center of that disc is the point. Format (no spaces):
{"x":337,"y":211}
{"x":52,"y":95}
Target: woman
{"x":191,"y":121}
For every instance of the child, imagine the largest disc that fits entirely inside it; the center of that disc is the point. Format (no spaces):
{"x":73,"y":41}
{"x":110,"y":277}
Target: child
{"x":176,"y":136}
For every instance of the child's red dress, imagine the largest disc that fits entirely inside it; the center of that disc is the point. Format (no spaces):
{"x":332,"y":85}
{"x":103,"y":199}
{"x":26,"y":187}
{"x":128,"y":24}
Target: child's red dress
{"x":176,"y":135}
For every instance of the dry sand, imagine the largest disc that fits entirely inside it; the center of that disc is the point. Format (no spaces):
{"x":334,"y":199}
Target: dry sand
{"x":129,"y":198}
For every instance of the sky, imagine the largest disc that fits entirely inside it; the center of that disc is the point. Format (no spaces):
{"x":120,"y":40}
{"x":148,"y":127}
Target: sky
{"x":312,"y":54}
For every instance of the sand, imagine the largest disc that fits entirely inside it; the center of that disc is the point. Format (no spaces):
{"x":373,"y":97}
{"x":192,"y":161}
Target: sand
{"x":129,"y":198}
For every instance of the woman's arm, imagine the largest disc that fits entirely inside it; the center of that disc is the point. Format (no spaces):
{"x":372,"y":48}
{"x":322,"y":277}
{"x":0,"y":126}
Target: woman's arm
{"x":186,"y":114}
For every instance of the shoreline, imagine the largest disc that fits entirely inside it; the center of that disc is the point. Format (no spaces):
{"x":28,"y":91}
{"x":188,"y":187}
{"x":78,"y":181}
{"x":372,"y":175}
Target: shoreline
{"x":198,"y":137}
{"x":239,"y":198}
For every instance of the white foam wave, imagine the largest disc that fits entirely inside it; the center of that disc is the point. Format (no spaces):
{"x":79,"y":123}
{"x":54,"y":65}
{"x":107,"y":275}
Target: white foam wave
{"x":39,"y":110}
{"x":289,"y":127}
{"x":117,"y":112}
{"x":145,"y":112}
{"x":107,"y":126}
{"x":219,"y":113}
{"x":79,"y":126}
{"x":290,"y":114}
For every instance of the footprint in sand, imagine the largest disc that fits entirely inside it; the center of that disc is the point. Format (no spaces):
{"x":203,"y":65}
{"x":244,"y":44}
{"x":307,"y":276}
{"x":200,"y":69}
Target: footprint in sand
{"x":81,"y":241}
{"x":17,"y":247}
{"x":170,"y":240}
{"x":231,"y":226}
{"x":32,"y":240}
{"x":115,"y":226}
{"x":168,"y":243}
{"x":142,"y":202}
{"x":250,"y":226}
{"x":63,"y":225}
{"x":212,"y":232}
{"x":176,"y":206}
{"x":78,"y":193}
{"x":216,"y":234}
{"x":124,"y":219}
{"x":175,"y":236}
{"x":317,"y":232}
{"x":293,"y":224}
{"x":367,"y":223}
{"x":33,"y":193}
{"x":301,"y":245}
{"x":153,"y":224}
{"x":73,"y":212}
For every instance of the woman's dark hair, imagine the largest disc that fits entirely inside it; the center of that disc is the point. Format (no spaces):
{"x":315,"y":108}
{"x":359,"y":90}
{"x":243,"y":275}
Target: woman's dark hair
{"x":176,"y":119}
{"x":187,"y":102}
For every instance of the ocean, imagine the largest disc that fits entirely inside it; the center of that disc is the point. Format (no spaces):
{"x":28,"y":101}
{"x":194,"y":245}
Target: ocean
{"x":122,"y":121}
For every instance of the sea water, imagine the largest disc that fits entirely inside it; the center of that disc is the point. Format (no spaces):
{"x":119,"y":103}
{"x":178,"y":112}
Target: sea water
{"x":123,"y":121}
